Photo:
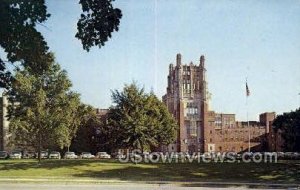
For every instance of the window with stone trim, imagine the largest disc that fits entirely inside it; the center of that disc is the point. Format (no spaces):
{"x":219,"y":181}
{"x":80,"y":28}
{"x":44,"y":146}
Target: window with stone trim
{"x":190,"y":109}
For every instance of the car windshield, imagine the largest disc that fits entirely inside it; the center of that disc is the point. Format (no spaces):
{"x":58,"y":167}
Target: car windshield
{"x":70,"y":153}
{"x":54,"y":152}
{"x":16,"y":152}
{"x":86,"y":153}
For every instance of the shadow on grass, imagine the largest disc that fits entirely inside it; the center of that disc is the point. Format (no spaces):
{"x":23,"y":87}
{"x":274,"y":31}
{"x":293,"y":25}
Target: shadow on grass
{"x":284,"y":172}
{"x":203,"y":172}
{"x":45,"y":164}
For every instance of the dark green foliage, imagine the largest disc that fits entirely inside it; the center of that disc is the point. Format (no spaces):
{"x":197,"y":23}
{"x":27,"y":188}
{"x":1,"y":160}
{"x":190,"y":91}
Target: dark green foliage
{"x":25,"y":46}
{"x":85,"y":137}
{"x":45,"y":113}
{"x":97,"y":22}
{"x":19,"y":37}
{"x":139,"y":120}
{"x":5,"y":76}
{"x":289,"y":124}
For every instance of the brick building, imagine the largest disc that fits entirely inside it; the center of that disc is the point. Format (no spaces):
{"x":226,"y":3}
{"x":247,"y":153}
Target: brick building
{"x":224,"y":134}
{"x":186,"y":99}
{"x":200,"y":129}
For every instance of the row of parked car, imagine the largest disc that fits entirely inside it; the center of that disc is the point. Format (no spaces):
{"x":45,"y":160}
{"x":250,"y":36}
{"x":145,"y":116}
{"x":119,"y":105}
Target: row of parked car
{"x":104,"y":155}
{"x":52,"y":155}
{"x":289,"y":155}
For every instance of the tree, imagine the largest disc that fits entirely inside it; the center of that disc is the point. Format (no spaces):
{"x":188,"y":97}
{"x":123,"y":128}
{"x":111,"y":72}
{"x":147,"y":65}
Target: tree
{"x":139,"y":120}
{"x":84,"y":139}
{"x":289,"y":124}
{"x":23,"y":44}
{"x":18,"y":36}
{"x":44,"y":111}
{"x":97,"y":22}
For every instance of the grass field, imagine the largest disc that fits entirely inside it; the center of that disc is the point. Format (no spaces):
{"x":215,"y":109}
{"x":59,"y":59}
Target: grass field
{"x":283,"y":172}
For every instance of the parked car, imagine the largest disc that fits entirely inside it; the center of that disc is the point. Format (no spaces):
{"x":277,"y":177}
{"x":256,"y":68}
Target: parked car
{"x":296,"y":155}
{"x":280,"y":155}
{"x":3,"y":155}
{"x":28,"y":154}
{"x":86,"y":155}
{"x":103,"y":155}
{"x":134,"y":155}
{"x":120,"y":156}
{"x":70,"y":155}
{"x":15,"y":154}
{"x":44,"y":155}
{"x":54,"y":155}
{"x":288,"y":155}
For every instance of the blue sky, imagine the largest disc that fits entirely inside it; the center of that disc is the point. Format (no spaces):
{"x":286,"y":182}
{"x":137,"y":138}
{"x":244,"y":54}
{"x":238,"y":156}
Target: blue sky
{"x":258,"y":39}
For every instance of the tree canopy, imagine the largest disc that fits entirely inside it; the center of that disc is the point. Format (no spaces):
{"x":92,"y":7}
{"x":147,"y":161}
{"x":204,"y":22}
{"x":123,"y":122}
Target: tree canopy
{"x":97,"y":22}
{"x":18,"y":35}
{"x":24,"y":44}
{"x":44,"y":112}
{"x":139,"y":120}
{"x":289,"y":124}
{"x":85,"y":138}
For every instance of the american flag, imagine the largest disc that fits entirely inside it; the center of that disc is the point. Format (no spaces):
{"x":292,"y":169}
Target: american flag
{"x":247,"y":90}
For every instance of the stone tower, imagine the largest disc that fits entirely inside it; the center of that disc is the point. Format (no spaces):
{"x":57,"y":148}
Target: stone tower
{"x":186,"y":100}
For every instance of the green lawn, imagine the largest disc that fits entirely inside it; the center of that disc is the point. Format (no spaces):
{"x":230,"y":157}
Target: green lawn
{"x":283,"y":172}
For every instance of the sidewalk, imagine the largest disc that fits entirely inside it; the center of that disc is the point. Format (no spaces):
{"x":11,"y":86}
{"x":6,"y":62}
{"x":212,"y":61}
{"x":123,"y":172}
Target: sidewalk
{"x":73,"y":181}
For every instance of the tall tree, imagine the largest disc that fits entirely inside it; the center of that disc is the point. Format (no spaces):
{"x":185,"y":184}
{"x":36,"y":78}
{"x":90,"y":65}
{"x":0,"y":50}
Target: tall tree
{"x":44,"y":111}
{"x":139,"y":120}
{"x":24,"y":44}
{"x":289,"y":124}
{"x":85,"y":137}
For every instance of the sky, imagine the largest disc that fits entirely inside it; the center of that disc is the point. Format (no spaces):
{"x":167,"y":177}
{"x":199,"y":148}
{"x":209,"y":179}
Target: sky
{"x":259,"y":40}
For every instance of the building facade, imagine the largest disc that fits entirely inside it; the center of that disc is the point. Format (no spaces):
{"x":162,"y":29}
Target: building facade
{"x":224,"y":133}
{"x":186,"y":99}
{"x":5,"y":135}
{"x":203,"y":130}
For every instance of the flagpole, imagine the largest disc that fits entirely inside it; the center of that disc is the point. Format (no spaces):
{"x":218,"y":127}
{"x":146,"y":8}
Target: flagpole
{"x":248,"y":126}
{"x":249,"y":144}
